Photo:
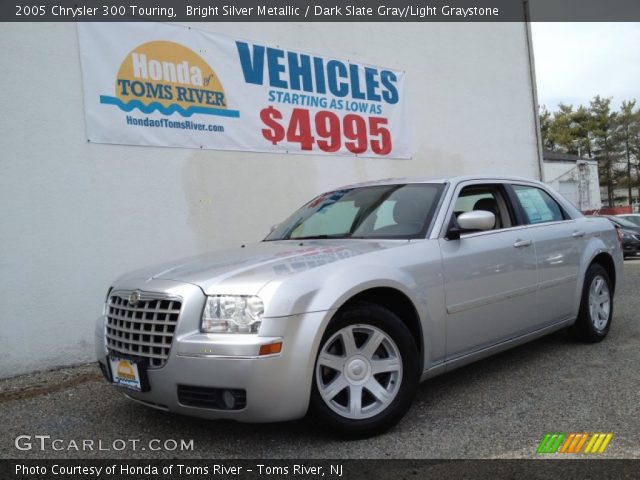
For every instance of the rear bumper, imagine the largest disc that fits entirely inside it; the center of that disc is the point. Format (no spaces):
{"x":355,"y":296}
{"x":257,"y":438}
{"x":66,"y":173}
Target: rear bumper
{"x":277,"y":386}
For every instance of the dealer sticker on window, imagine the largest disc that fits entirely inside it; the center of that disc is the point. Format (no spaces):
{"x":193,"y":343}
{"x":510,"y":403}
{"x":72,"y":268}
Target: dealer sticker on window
{"x":125,"y":372}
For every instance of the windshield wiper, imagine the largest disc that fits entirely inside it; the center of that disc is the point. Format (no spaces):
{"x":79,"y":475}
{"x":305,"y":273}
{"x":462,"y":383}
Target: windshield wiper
{"x":318,"y":237}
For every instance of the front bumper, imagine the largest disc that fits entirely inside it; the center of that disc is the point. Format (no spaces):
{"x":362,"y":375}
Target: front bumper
{"x":277,"y":386}
{"x":631,"y":247}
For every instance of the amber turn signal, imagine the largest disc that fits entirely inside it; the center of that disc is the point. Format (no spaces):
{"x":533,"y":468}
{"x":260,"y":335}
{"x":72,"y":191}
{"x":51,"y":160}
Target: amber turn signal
{"x":270,"y":348}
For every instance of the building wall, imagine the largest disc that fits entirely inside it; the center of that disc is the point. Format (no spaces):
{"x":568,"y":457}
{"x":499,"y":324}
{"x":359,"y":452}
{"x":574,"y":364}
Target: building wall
{"x":564,"y":177}
{"x":76,"y":215}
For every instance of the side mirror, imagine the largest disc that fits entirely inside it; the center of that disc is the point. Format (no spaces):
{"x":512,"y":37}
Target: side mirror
{"x":477,"y":220}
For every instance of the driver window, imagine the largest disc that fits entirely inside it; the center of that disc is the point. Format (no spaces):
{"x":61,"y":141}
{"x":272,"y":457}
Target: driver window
{"x":484,"y":197}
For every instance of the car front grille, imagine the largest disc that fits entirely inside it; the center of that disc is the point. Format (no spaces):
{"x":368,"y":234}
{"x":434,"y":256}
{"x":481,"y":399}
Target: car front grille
{"x":144,"y":329}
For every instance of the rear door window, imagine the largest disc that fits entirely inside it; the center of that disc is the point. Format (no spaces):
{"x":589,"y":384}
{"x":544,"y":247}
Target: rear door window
{"x":538,"y":205}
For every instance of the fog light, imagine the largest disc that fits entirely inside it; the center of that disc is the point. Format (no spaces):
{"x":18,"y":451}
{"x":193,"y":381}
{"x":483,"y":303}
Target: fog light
{"x":228,"y":400}
{"x":270,"y":349}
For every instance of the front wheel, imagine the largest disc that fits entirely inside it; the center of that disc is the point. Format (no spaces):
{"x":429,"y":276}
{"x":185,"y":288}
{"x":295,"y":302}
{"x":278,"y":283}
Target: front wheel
{"x":596,"y":306}
{"x":366,"y":371}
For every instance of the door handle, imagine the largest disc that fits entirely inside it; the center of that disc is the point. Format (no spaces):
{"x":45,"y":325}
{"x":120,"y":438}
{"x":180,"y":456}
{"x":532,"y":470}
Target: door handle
{"x":522,"y":243}
{"x":578,"y":234}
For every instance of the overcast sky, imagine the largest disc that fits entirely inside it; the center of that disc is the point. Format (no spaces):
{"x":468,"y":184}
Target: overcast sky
{"x":576,"y":61}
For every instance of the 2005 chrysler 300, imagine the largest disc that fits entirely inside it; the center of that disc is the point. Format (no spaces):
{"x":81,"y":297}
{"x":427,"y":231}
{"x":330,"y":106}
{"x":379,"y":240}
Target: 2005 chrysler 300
{"x":356,"y":297}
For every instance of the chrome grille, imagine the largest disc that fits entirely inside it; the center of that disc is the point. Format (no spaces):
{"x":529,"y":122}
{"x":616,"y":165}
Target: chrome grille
{"x":142,"y":330}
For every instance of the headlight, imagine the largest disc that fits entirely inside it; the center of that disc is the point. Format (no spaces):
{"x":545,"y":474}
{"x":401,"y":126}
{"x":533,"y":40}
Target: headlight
{"x":105,"y":307}
{"x":232,"y":314}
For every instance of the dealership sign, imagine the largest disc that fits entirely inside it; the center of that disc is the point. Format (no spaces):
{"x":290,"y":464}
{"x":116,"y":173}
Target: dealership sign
{"x":168,"y":85}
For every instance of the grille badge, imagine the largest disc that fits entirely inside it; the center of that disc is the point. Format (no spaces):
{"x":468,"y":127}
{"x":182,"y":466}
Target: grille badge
{"x":134,"y":298}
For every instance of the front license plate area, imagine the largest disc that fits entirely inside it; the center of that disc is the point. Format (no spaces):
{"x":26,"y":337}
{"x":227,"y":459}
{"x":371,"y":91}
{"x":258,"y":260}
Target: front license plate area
{"x":129,"y":373}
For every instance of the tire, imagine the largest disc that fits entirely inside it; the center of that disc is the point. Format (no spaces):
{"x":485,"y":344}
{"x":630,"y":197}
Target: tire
{"x":596,"y":312}
{"x":345,"y":372}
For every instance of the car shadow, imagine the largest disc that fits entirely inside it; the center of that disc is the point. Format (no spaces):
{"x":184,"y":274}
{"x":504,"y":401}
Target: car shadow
{"x":438,"y":391}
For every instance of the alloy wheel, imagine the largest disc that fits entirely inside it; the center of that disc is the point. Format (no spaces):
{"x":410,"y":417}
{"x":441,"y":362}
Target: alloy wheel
{"x":359,"y":371}
{"x":599,"y":302}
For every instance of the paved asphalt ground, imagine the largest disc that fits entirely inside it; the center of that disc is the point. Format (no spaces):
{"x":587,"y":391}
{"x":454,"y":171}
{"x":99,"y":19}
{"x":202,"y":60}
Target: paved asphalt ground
{"x":496,"y":408}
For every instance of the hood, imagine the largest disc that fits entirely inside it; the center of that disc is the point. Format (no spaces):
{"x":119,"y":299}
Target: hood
{"x":245,"y":270}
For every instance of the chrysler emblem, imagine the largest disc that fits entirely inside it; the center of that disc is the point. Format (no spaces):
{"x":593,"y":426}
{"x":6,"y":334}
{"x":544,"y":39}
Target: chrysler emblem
{"x":134,"y":298}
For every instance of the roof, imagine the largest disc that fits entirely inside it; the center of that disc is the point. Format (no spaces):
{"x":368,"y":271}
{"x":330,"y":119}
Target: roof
{"x":551,"y":156}
{"x":442,"y":179}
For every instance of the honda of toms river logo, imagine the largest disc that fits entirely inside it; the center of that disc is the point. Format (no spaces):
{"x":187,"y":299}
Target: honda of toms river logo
{"x":169,"y":78}
{"x":125,"y":371}
{"x":592,"y":443}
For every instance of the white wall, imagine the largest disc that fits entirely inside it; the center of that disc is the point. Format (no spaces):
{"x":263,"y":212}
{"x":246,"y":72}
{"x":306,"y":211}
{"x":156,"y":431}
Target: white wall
{"x":558,"y":172}
{"x":76,"y":215}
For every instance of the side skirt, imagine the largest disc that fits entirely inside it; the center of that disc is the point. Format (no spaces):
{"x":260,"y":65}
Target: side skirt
{"x":462,"y":360}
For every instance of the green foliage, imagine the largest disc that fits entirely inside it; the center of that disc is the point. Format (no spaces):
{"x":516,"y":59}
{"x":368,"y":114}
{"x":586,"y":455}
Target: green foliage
{"x":596,"y":131}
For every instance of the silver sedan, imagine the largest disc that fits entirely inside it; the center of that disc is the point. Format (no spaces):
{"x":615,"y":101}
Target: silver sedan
{"x":355,"y":298}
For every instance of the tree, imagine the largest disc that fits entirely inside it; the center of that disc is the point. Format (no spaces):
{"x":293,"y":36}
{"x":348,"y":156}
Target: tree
{"x":628,"y":126}
{"x":582,"y":126}
{"x":635,"y":142}
{"x":596,"y":131}
{"x":567,"y":130}
{"x":606,"y":143}
{"x":560,"y":131}
{"x":545,"y":124}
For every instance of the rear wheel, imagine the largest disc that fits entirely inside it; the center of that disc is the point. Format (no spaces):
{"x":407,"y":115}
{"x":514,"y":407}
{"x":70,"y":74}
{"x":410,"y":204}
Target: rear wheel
{"x":366,"y":371}
{"x":596,"y":306}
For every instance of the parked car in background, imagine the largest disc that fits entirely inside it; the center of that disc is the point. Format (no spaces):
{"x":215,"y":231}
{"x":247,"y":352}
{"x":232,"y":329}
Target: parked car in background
{"x":630,"y":243}
{"x":360,"y":294}
{"x":629,"y":233}
{"x":622,"y":223}
{"x":631,"y":217}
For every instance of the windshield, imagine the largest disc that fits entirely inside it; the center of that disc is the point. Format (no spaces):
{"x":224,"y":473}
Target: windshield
{"x":381,"y":211}
{"x":623,"y":222}
{"x":631,"y":221}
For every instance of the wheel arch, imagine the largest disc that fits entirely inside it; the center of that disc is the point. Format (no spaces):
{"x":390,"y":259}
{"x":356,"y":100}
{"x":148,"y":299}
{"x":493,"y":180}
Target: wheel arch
{"x":606,"y":261}
{"x":602,"y":248}
{"x":399,"y":304}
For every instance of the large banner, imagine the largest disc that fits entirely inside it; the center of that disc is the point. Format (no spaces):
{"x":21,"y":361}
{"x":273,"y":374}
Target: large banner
{"x":167,"y":85}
